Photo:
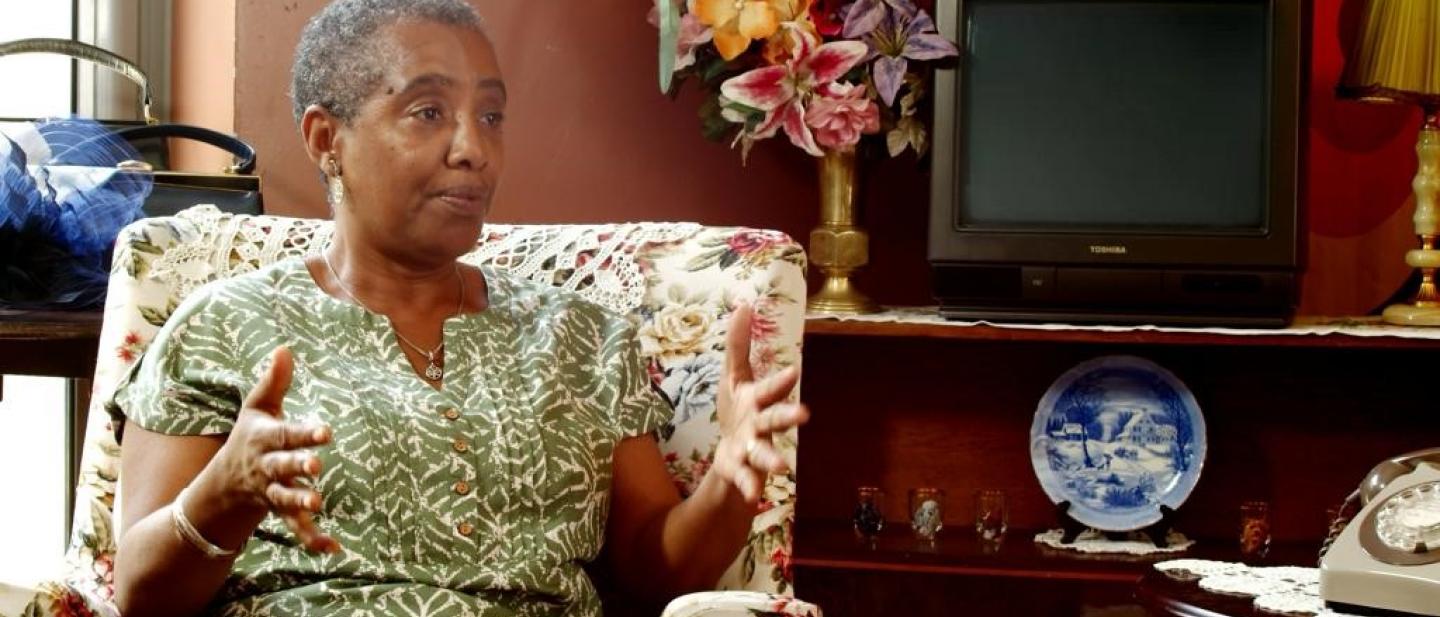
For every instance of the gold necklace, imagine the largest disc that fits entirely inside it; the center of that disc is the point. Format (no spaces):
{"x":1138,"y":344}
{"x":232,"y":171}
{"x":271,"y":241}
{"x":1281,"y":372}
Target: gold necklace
{"x":433,"y":371}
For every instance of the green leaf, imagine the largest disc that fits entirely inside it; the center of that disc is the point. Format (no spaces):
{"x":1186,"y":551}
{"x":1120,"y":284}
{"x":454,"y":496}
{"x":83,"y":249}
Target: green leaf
{"x":716,"y":130}
{"x":915,"y":92}
{"x":705,"y":260}
{"x":674,"y":92}
{"x":712,"y":124}
{"x":153,"y":316}
{"x":714,"y":69}
{"x":896,"y":141}
{"x":748,"y":111}
{"x":669,"y":40}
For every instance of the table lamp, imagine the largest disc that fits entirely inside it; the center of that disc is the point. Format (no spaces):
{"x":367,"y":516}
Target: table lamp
{"x":1396,"y":59}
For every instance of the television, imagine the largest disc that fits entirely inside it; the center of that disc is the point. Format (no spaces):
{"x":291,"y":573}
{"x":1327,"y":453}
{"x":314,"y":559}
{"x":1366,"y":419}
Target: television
{"x":1118,"y":161}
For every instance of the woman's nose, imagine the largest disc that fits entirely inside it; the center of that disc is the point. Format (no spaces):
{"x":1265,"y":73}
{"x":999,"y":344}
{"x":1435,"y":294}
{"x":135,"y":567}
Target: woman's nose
{"x":468,"y":147}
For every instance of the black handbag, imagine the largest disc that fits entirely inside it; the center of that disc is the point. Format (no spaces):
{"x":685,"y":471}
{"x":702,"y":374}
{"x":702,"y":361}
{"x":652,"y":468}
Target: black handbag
{"x":236,"y":189}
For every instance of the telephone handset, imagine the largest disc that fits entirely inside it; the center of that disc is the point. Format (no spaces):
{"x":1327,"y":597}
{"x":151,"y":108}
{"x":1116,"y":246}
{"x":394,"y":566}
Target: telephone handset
{"x":1389,"y":470}
{"x":1388,"y":556}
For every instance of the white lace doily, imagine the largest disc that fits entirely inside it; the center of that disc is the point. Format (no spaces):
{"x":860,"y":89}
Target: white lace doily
{"x":1091,"y":541}
{"x":597,"y":261}
{"x":1284,"y":590}
{"x":1352,"y":326}
{"x":600,"y":259}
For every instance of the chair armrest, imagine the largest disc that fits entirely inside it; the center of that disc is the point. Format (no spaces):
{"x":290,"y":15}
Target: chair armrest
{"x":738,"y":604}
{"x":50,"y":599}
{"x":15,"y":599}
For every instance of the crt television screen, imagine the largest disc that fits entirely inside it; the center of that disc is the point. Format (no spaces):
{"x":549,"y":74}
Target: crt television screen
{"x":1114,"y":114}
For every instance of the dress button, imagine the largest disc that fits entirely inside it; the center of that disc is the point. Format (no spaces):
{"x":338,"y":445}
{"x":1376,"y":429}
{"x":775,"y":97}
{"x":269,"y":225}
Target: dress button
{"x":461,"y":445}
{"x":452,"y":414}
{"x":462,"y":488}
{"x":465,"y":529}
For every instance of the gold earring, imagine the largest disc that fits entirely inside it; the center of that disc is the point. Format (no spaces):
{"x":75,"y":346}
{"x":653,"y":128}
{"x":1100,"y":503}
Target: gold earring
{"x":336,"y":187}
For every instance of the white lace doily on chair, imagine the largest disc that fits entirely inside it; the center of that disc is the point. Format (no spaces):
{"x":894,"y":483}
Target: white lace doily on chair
{"x":598,"y":262}
{"x":1091,"y":541}
{"x":1283,"y":590}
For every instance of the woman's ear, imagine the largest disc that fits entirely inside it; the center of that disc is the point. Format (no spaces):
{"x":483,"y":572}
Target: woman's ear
{"x":321,"y":132}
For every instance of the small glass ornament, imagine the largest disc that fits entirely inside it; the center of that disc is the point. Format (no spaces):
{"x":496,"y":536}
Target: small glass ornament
{"x":992,"y":518}
{"x":868,"y":519}
{"x":927,"y":512}
{"x":1254,"y":529}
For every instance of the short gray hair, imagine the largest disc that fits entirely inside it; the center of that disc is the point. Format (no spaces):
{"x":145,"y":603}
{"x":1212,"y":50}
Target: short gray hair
{"x":339,"y":62}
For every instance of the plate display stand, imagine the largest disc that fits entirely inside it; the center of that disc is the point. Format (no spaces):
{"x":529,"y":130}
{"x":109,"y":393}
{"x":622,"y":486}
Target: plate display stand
{"x":1156,"y":533}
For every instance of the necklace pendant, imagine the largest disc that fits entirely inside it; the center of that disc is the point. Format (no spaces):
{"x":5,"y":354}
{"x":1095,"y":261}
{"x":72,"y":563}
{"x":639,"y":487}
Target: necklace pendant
{"x":433,"y":372}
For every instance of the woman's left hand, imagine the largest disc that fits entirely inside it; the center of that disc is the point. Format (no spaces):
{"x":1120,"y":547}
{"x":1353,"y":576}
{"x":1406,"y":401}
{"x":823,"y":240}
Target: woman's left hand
{"x":751,"y":412}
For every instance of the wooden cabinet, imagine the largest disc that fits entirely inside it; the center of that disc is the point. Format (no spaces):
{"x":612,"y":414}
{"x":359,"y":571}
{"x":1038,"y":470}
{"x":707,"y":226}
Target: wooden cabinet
{"x":1295,"y":420}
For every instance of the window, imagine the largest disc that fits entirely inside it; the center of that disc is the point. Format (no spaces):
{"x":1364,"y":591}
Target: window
{"x":32,"y":411}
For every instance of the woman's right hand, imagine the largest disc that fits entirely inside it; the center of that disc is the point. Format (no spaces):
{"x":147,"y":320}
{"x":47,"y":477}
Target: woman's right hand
{"x":264,"y":459}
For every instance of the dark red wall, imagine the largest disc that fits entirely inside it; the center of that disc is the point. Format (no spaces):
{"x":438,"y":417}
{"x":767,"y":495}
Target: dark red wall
{"x":590,"y":138}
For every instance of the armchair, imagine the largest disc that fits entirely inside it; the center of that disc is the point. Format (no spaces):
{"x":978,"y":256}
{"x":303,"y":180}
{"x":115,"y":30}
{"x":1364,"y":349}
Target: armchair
{"x":678,"y":281}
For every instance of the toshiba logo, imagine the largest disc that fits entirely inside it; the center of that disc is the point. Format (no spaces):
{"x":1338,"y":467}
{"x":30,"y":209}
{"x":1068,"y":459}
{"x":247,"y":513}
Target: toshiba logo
{"x":1108,"y":249}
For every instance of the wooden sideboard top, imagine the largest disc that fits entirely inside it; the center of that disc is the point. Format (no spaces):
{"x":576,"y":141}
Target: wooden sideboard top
{"x":957,"y":551}
{"x":49,"y":325}
{"x":1336,"y":333}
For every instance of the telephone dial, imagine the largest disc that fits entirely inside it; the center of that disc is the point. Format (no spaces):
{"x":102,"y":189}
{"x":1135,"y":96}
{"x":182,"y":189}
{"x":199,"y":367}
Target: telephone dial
{"x":1387,"y":559}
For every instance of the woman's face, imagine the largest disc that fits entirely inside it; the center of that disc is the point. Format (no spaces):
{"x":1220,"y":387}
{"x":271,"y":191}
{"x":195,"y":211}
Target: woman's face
{"x":422,"y":156}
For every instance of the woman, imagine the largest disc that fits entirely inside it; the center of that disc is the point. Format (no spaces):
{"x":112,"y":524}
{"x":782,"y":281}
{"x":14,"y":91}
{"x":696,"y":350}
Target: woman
{"x":382,"y":430}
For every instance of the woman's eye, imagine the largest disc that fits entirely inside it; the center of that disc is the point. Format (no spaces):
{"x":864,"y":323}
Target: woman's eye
{"x":428,"y":113}
{"x":493,"y":118}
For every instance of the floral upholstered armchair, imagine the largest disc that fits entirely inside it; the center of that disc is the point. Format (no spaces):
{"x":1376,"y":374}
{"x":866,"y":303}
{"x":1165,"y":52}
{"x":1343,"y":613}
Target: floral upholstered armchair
{"x":678,"y":281}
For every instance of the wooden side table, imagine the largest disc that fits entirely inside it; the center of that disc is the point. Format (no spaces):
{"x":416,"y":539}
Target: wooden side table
{"x":1170,"y":597}
{"x":55,"y":344}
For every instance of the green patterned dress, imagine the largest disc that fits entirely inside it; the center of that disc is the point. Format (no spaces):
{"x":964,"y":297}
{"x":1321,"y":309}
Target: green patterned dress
{"x":483,"y":499}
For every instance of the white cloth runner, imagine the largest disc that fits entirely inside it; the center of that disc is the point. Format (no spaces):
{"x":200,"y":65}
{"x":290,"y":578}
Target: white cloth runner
{"x":1351,"y":326}
{"x":1091,"y":541}
{"x":1285,"y":590}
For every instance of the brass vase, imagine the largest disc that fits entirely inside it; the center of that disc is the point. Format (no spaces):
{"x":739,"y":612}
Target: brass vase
{"x":839,"y":247}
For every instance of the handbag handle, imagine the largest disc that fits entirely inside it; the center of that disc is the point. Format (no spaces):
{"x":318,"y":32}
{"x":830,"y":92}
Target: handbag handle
{"x":84,"y":51}
{"x":244,"y":153}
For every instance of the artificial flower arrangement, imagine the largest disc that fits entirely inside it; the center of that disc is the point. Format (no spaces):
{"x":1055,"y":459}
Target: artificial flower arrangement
{"x":824,"y":72}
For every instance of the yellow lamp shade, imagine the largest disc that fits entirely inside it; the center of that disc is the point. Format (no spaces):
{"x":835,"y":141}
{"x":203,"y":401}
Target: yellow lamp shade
{"x":1397,"y":54}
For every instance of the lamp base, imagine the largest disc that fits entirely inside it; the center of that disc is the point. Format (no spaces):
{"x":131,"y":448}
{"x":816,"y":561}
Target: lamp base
{"x":1411,"y":315}
{"x":1424,"y":309}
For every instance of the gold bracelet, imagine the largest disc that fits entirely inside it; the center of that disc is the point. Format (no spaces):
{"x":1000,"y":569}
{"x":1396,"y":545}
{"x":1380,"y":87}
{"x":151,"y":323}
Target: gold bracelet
{"x":190,"y":534}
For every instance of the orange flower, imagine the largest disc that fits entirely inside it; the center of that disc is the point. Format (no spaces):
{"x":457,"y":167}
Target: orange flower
{"x":795,"y":14}
{"x":737,"y":22}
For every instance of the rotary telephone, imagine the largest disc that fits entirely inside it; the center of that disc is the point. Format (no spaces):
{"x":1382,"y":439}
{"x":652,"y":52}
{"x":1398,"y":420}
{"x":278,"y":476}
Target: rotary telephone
{"x":1388,"y":556}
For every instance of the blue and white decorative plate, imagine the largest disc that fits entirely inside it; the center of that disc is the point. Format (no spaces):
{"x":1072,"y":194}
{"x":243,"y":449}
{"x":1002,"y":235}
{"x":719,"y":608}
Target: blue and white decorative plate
{"x":1117,"y":437}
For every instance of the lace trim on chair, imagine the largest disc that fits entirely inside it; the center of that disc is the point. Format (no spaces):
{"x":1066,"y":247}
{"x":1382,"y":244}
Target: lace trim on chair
{"x":227,"y":245}
{"x":595,"y":261}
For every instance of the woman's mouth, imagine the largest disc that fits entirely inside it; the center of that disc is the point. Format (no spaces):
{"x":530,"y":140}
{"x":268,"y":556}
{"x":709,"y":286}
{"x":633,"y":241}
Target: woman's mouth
{"x":469,"y":200}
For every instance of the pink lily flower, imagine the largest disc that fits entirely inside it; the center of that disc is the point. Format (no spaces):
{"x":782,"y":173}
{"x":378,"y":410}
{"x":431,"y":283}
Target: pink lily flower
{"x":782,"y":91}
